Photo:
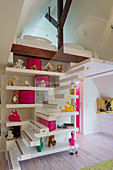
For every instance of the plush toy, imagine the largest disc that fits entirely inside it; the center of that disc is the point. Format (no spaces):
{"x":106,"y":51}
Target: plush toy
{"x":59,"y":68}
{"x":15,"y":98}
{"x":34,"y":67}
{"x":42,"y":83}
{"x":51,"y":141}
{"x":15,"y":117}
{"x":49,"y":67}
{"x":19,"y":64}
{"x":68,"y":108}
{"x":13,"y":81}
{"x":26,"y":83}
{"x":40,"y":147}
{"x":72,"y":143}
{"x":16,"y":131}
{"x":9,"y":135}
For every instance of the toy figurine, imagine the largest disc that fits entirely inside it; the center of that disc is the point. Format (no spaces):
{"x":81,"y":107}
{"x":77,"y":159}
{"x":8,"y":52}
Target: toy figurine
{"x":15,"y":98}
{"x":42,"y":83}
{"x":34,"y":67}
{"x":26,"y":83}
{"x":13,"y":81}
{"x":49,"y":67}
{"x":72,"y":90}
{"x":72,"y":143}
{"x":9,"y":135}
{"x":59,"y":68}
{"x":69,"y":108}
{"x":15,"y":117}
{"x":19,"y":64}
{"x":40,"y":147}
{"x":51,"y":141}
{"x":16,"y":131}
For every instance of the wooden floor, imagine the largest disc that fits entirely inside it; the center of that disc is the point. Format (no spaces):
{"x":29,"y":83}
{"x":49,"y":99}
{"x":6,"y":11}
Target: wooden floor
{"x":93,"y":149}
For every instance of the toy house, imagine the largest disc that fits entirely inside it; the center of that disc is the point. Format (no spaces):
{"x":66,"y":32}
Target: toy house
{"x":56,"y":102}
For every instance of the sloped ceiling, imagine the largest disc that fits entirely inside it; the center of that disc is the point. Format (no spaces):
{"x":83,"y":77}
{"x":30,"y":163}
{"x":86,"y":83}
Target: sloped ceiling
{"x":9,"y":16}
{"x":105,"y":86}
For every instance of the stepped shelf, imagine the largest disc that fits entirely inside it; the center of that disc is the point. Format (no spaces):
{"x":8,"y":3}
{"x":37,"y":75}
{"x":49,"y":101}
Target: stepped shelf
{"x":11,"y":123}
{"x":29,"y":88}
{"x":32,"y":72}
{"x":23,"y":105}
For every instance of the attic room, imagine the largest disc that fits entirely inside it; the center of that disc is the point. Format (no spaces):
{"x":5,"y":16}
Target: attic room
{"x":56,"y":79}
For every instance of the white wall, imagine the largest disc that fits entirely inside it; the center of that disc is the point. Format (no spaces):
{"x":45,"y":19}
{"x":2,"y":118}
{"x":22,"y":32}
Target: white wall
{"x":90,"y":117}
{"x":105,"y":85}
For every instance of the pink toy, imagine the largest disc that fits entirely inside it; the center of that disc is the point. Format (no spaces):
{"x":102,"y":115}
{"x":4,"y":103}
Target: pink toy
{"x":72,"y":143}
{"x":15,"y":117}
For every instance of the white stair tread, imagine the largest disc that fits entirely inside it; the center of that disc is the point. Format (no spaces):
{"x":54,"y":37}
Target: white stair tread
{"x":46,"y":116}
{"x":38,"y":126}
{"x":12,"y":159}
{"x":30,"y":138}
{"x":22,"y":149}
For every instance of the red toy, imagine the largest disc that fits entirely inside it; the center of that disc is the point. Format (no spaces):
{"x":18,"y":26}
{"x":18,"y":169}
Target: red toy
{"x":15,"y":117}
{"x":72,"y":143}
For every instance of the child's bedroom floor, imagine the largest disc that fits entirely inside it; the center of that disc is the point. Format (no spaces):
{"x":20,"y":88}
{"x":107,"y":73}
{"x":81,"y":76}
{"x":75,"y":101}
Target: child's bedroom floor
{"x":94,"y":148}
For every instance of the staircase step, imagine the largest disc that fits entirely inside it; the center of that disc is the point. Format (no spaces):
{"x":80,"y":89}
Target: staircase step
{"x":46,"y":116}
{"x":38,"y":127}
{"x":12,"y":159}
{"x":30,"y":138}
{"x":22,"y":149}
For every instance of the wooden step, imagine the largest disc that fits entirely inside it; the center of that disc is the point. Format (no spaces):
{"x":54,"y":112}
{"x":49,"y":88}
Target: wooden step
{"x":38,"y":127}
{"x":22,"y":149}
{"x":30,"y":138}
{"x":71,"y":78}
{"x":13,"y":163}
{"x":65,"y":96}
{"x":46,"y":116}
{"x":63,"y":87}
{"x":52,"y":106}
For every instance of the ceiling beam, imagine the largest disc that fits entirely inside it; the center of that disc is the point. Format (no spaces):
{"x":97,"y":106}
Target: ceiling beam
{"x":51,"y":20}
{"x":65,"y":12}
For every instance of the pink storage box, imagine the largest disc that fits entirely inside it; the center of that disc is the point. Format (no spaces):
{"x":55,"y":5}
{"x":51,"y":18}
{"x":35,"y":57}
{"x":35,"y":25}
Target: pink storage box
{"x":46,"y":78}
{"x":26,"y":97}
{"x":32,"y":61}
{"x":50,"y":124}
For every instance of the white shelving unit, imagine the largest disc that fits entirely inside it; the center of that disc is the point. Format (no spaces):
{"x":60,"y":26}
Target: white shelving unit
{"x":32,"y":130}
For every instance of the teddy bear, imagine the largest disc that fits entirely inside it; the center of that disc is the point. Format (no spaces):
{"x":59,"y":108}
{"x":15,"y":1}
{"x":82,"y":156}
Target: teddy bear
{"x":34,"y":67}
{"x":19,"y":64}
{"x":15,"y":98}
{"x":59,"y":68}
{"x":42,"y":83}
{"x":26,"y":83}
{"x":9,"y":135}
{"x":13,"y":81}
{"x":51,"y":141}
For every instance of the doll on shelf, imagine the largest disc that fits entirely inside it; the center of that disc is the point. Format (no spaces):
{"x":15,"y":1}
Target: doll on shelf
{"x":72,"y":90}
{"x":15,"y":98}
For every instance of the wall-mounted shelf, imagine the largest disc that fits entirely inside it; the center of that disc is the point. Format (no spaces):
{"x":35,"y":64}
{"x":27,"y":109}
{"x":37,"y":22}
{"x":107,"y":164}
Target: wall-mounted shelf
{"x":23,"y":105}
{"x":29,"y":88}
{"x":11,"y":123}
{"x":31,"y":72}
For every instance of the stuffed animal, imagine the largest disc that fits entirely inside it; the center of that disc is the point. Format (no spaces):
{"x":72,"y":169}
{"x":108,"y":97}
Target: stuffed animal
{"x":59,"y":68}
{"x":72,"y":143}
{"x":49,"y":67}
{"x":34,"y":67}
{"x":68,"y":108}
{"x":9,"y":135}
{"x":51,"y":141}
{"x":19,"y":64}
{"x":26,"y":83}
{"x":16,"y":131}
{"x":15,"y":98}
{"x":42,"y":83}
{"x":13,"y":81}
{"x":14,"y":117}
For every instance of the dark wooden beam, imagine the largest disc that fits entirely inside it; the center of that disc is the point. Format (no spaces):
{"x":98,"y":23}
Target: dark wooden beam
{"x":60,"y":30}
{"x":51,"y":20}
{"x":45,"y":54}
{"x":65,"y":12}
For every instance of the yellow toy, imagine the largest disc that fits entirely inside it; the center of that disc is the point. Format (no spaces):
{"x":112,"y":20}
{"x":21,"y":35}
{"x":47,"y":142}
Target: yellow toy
{"x":68,"y":108}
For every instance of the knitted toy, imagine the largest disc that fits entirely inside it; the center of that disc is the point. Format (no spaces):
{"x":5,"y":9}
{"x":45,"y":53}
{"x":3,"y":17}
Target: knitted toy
{"x":34,"y":67}
{"x":13,"y":81}
{"x":49,"y":67}
{"x":19,"y":64}
{"x":72,"y":143}
{"x":68,"y":108}
{"x":26,"y":83}
{"x":59,"y":68}
{"x":15,"y":98}
{"x":51,"y":141}
{"x":15,"y":117}
{"x":42,"y":83}
{"x":9,"y":135}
